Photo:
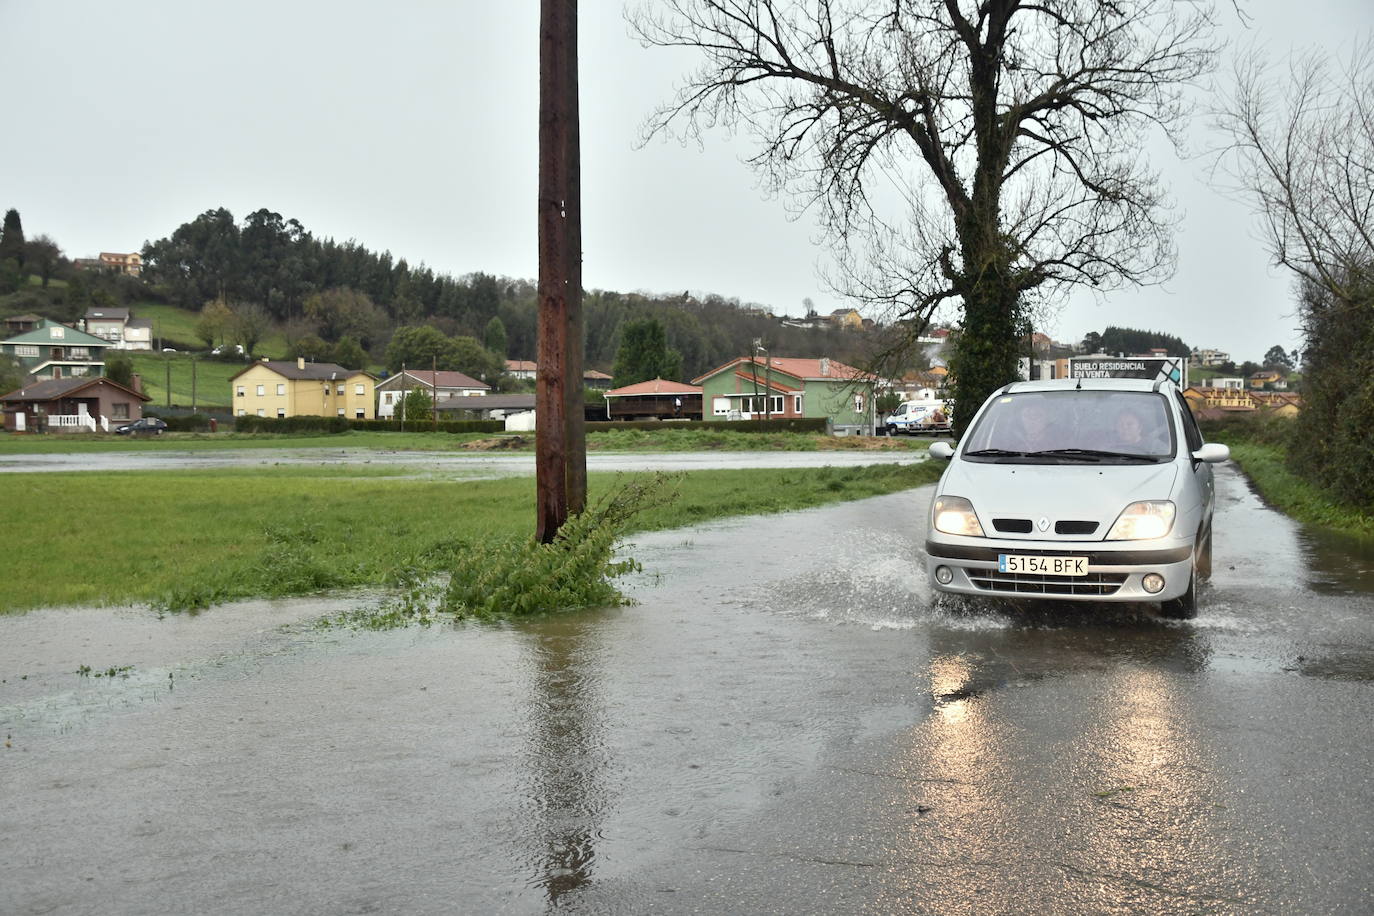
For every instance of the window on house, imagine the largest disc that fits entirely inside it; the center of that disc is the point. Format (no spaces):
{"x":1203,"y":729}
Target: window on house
{"x":386,"y":399}
{"x":57,"y":332}
{"x":777,"y":404}
{"x":239,"y":391}
{"x":242,"y":412}
{"x":360,"y":389}
{"x":281,"y":412}
{"x":720,"y":406}
{"x":339,"y":390}
{"x":261,"y":412}
{"x":341,"y":412}
{"x":262,"y":390}
{"x":360,"y":413}
{"x":796,"y":403}
{"x":78,"y":353}
{"x":281,"y":390}
{"x":25,"y":350}
{"x":119,"y":411}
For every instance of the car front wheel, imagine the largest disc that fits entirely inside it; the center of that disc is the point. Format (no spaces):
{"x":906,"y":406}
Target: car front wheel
{"x":1184,"y":607}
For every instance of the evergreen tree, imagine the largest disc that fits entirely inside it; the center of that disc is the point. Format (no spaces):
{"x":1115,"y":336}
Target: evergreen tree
{"x":12,"y":238}
{"x":644,"y":354}
{"x":495,"y":337}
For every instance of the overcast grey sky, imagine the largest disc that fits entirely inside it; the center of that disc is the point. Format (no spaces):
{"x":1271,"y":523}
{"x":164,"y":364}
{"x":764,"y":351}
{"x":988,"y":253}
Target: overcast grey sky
{"x":411,"y":127}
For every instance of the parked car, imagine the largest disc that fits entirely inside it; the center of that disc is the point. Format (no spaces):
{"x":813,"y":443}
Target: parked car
{"x":914,"y":418}
{"x":1078,"y":490}
{"x":148,"y":426}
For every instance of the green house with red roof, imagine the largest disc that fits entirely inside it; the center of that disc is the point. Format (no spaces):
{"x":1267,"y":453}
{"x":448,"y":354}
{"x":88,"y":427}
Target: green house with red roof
{"x":780,"y":386}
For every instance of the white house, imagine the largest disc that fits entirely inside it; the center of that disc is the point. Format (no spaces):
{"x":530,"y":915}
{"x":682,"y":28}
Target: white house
{"x":441,"y":386}
{"x":119,"y":327}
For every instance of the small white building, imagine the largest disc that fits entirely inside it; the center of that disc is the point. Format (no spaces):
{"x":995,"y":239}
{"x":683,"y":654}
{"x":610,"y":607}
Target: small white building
{"x":441,"y":386}
{"x":119,"y":327}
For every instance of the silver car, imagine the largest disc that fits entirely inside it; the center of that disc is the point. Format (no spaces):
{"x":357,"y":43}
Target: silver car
{"x":1079,"y":490}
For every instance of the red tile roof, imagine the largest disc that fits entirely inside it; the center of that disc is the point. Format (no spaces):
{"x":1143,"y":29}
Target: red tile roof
{"x":653,"y":386}
{"x":819,"y":369}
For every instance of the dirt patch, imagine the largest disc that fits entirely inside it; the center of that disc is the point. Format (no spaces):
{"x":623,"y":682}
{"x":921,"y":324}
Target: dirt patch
{"x":867,"y":443}
{"x":498,"y":444}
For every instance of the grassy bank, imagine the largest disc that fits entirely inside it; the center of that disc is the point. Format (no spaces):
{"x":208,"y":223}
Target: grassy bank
{"x":669,"y":440}
{"x":193,"y":538}
{"x":211,"y":378}
{"x":1266,"y":466}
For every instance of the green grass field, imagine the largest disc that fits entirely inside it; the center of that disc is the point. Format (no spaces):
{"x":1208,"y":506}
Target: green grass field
{"x":191,"y":538}
{"x":211,"y":378}
{"x":176,"y":327}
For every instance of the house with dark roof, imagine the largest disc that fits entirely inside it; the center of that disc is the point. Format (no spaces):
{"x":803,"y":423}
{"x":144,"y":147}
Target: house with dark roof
{"x":282,"y":388}
{"x":441,"y":386}
{"x":89,"y":404}
{"x":54,"y":350}
{"x":119,"y":327}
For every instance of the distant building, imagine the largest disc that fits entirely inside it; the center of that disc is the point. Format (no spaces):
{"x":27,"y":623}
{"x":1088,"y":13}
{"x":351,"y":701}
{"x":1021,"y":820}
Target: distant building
{"x":55,"y":351}
{"x":441,"y":386}
{"x":281,"y":388}
{"x":528,"y":370}
{"x":846,"y":319}
{"x":657,"y":399}
{"x":747,"y":388}
{"x":1205,"y":358}
{"x":131,"y":263}
{"x":71,"y":405}
{"x":119,"y":327}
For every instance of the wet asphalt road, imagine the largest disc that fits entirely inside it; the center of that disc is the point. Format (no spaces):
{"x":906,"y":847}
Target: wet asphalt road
{"x":785,"y":723}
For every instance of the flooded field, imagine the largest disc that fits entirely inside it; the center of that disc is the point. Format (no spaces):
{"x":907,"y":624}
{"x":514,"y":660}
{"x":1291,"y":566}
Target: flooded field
{"x":784,"y":722}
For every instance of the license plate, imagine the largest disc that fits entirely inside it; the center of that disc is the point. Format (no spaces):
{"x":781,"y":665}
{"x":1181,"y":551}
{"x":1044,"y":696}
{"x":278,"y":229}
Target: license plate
{"x":1043,"y":566}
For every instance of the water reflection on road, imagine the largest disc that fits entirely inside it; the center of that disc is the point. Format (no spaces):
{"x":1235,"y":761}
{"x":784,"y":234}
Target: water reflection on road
{"x":786,"y":722}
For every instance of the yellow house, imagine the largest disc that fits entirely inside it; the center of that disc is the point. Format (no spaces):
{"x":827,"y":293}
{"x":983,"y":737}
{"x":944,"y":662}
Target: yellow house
{"x":280,"y":388}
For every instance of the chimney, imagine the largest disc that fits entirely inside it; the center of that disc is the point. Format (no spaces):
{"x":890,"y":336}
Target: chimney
{"x":300,"y":362}
{"x":825,"y":365}
{"x":138,"y":383}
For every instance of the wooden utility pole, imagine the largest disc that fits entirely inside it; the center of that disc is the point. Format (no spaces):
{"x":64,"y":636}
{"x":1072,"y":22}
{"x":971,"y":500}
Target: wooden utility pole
{"x":560,"y":447}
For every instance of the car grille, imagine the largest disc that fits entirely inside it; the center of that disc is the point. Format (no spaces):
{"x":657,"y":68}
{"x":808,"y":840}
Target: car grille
{"x":1093,"y":584}
{"x":1012,"y":525}
{"x":1074,"y":527}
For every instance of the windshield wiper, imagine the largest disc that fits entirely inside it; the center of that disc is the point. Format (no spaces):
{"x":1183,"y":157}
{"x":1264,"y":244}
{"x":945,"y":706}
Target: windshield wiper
{"x":995,"y":453}
{"x":1092,"y":454}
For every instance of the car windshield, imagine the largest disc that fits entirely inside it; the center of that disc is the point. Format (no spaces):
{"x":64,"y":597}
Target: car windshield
{"x":1073,"y":425}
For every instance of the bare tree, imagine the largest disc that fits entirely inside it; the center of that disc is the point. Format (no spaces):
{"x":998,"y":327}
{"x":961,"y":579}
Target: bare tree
{"x":1006,"y":135}
{"x":249,"y":323}
{"x":1302,"y":151}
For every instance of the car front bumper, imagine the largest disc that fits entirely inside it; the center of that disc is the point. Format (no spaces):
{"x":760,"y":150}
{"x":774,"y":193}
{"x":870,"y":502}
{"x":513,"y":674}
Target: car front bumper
{"x":1115,"y":569}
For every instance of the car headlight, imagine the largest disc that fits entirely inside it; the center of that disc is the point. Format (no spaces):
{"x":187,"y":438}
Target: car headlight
{"x":954,"y":515}
{"x":1143,"y":521}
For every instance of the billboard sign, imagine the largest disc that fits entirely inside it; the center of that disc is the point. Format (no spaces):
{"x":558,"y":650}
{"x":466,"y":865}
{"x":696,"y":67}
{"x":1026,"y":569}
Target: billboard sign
{"x":1153,"y":368}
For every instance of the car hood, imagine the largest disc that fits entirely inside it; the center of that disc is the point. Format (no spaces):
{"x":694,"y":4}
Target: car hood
{"x":1055,"y":492}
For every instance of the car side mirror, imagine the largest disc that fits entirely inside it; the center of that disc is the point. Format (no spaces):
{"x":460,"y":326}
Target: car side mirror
{"x":1212,"y":452}
{"x":945,"y":450}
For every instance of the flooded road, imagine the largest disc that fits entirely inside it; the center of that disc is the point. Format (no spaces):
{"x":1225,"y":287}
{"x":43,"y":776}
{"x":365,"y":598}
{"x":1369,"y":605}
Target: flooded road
{"x":473,"y":464}
{"x":784,"y":723}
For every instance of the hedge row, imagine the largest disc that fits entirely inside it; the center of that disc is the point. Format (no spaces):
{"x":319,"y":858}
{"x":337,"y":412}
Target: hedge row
{"x":782,"y":424}
{"x":309,"y":424}
{"x":343,"y":424}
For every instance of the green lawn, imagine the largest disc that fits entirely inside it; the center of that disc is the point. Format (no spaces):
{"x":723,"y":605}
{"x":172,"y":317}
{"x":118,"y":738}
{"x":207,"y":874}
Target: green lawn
{"x":192,"y":538}
{"x":211,"y":378}
{"x":176,"y":327}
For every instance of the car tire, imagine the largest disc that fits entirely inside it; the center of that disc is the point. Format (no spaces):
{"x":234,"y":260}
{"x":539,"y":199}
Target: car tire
{"x":1184,"y":607}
